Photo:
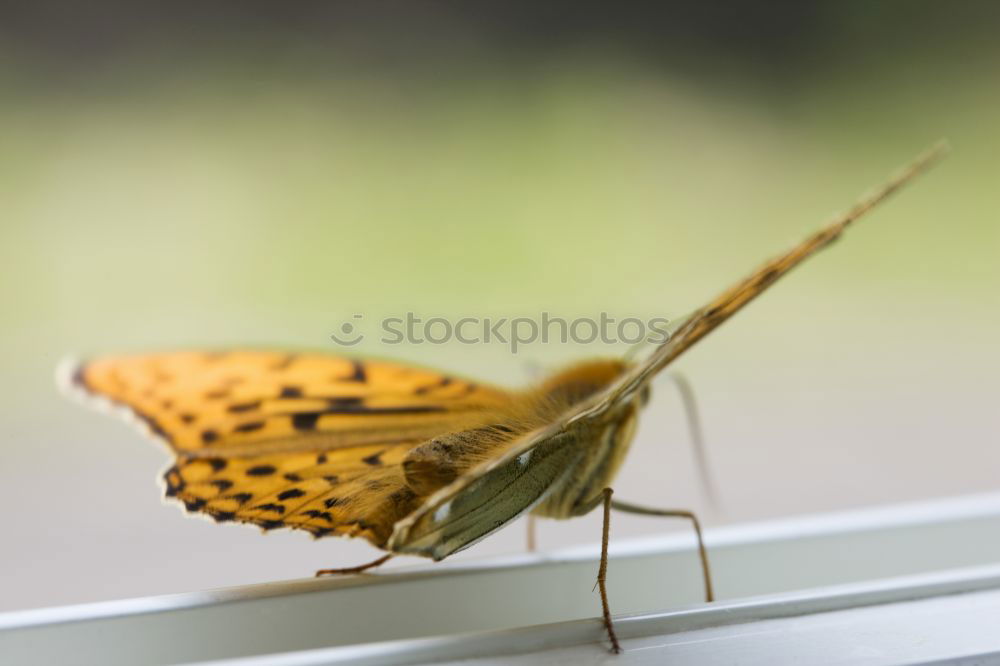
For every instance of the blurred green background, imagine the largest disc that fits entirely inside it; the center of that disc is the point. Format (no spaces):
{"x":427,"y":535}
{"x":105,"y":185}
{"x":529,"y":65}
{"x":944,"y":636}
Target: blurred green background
{"x":249,"y":173}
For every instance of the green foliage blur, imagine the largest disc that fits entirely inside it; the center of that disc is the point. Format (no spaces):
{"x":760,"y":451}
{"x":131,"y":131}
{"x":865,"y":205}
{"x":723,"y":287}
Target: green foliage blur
{"x":194,"y":185}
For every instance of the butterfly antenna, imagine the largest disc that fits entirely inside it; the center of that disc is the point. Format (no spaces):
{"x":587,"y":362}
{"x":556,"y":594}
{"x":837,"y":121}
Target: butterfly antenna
{"x":697,"y":438}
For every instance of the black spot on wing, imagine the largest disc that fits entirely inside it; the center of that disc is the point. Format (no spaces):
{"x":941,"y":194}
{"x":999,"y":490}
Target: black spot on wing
{"x":153,"y":426}
{"x":363,"y":525}
{"x":291,"y":493}
{"x":249,"y":427}
{"x":261,"y":470}
{"x":195,"y":504}
{"x":292,"y":476}
{"x":423,"y":390}
{"x":313,"y":513}
{"x":175,"y":483}
{"x":270,"y":506}
{"x":244,"y":407}
{"x":217,"y":394}
{"x":374,"y":459}
{"x":209,"y":436}
{"x":290,"y":392}
{"x":358,"y":373}
{"x":768,"y":276}
{"x":271,"y":524}
{"x":242,"y":498}
{"x":218,"y":464}
{"x":305,"y":420}
{"x":345,"y":401}
{"x":223,"y":516}
{"x":222,"y":484}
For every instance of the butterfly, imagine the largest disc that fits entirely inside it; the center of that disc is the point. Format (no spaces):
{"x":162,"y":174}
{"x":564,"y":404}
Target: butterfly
{"x":413,"y":460}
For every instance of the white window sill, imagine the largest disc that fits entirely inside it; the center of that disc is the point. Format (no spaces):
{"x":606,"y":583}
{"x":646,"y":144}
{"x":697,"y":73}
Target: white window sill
{"x":908,"y":584}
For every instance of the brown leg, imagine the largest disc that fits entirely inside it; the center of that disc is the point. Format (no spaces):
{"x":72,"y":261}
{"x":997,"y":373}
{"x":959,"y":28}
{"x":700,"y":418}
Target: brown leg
{"x":677,"y":513}
{"x":530,"y":537}
{"x":602,"y":573}
{"x":353,"y":570}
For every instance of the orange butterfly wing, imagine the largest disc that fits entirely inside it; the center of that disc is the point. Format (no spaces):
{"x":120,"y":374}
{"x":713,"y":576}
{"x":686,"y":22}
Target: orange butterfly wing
{"x":307,"y":441}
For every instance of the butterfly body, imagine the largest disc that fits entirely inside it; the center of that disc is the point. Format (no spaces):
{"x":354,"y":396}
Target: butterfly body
{"x":602,"y":443}
{"x":561,"y":476}
{"x":596,"y":449}
{"x":603,"y":448}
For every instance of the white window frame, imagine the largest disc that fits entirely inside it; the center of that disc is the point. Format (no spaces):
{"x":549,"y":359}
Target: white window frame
{"x":916,"y":583}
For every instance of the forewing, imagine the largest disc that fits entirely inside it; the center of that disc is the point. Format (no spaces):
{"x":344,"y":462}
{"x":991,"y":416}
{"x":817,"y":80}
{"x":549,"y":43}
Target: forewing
{"x":255,"y":402}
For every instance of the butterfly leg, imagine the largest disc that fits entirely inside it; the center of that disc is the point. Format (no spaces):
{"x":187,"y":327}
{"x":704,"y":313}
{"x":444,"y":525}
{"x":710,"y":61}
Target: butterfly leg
{"x":354,"y":570}
{"x":602,"y":572}
{"x":530,"y":536}
{"x":627,"y":507}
